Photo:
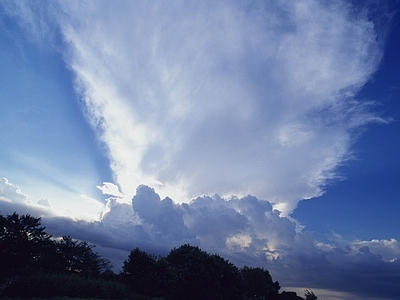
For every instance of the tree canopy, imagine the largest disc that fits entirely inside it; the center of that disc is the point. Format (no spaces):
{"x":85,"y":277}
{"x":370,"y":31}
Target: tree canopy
{"x":309,"y":294}
{"x":140,"y":272}
{"x":199,"y":275}
{"x":258,"y":283}
{"x":25,"y":247}
{"x":32,"y":261}
{"x":23,"y":244}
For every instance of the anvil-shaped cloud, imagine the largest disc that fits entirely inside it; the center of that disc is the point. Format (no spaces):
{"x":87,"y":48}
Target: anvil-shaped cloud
{"x":224,"y":97}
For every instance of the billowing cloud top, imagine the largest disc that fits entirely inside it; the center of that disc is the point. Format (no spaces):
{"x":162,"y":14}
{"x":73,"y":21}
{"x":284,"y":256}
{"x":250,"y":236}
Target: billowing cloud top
{"x":245,"y":230}
{"x":224,"y":97}
{"x":10,"y":192}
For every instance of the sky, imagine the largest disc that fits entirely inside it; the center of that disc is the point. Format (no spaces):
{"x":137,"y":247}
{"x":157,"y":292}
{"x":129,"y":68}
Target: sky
{"x":265,"y":131}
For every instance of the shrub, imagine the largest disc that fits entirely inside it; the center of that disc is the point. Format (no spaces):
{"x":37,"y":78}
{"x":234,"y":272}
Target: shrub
{"x":47,"y":285}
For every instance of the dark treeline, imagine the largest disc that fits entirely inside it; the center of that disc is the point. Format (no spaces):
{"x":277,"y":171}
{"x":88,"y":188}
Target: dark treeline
{"x":33,"y":264}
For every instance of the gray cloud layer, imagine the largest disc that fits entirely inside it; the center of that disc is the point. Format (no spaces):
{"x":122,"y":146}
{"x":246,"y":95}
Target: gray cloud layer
{"x":245,"y":230}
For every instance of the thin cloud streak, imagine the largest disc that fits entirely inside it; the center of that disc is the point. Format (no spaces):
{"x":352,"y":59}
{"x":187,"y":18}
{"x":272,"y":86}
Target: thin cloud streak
{"x":223,"y":97}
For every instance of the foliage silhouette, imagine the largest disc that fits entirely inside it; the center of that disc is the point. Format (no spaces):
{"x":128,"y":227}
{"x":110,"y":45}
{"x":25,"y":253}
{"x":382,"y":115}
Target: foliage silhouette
{"x":290,"y":296}
{"x":309,"y":294}
{"x":143,"y":273}
{"x":199,"y":275}
{"x":26,"y":249}
{"x":49,"y":285}
{"x":258,"y":284}
{"x":79,"y":257}
{"x":33,"y":264}
{"x":24,"y":246}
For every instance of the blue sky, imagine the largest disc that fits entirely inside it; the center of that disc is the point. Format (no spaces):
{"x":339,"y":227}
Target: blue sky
{"x":146,"y":124}
{"x":369,"y":194}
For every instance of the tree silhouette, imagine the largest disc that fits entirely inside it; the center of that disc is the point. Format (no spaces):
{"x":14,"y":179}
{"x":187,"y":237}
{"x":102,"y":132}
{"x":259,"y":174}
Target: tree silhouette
{"x":23,"y":245}
{"x":199,"y":275}
{"x":227,"y":275}
{"x":290,"y":296}
{"x":309,"y":294}
{"x":78,"y":257}
{"x":25,"y":248}
{"x":32,"y":263}
{"x":258,"y":284}
{"x":140,"y":272}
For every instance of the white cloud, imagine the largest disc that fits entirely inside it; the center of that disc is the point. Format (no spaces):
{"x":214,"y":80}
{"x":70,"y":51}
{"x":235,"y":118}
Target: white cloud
{"x":12,"y":199}
{"x":111,"y":189}
{"x":10,"y":192}
{"x":388,"y":249}
{"x":44,"y":202}
{"x":222,"y":97}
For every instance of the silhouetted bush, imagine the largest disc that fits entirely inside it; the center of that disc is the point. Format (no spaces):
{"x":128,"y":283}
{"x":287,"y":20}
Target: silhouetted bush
{"x":47,"y":285}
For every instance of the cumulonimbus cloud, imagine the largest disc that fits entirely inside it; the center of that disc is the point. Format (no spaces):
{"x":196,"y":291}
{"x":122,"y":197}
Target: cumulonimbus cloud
{"x":220,"y":97}
{"x":247,"y":231}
